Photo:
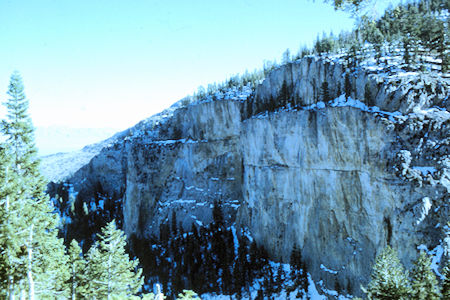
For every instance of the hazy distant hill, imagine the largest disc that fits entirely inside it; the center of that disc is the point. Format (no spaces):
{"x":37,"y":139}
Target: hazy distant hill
{"x":54,"y":139}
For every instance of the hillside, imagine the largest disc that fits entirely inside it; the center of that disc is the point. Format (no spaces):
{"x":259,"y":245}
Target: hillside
{"x":327,"y":158}
{"x":339,"y":178}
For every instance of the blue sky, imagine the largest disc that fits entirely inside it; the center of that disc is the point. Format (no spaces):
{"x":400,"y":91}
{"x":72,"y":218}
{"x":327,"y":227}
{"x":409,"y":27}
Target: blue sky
{"x":98,"y":63}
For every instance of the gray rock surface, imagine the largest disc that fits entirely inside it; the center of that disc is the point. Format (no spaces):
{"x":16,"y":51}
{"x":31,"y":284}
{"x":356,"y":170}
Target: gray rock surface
{"x":341,"y":179}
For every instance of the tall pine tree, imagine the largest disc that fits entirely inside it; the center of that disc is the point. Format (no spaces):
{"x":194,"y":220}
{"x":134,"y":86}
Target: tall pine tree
{"x":445,"y":289}
{"x":109,"y":268}
{"x":389,"y":280}
{"x":28,"y":235}
{"x":77,"y":265}
{"x":424,"y":283}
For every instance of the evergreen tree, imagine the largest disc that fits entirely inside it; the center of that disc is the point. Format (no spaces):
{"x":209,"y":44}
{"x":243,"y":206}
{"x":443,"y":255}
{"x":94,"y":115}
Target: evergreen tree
{"x":388,"y":279}
{"x":442,"y":46}
{"x":29,"y":239}
{"x":347,"y":86}
{"x":279,"y":279}
{"x":76,"y":268}
{"x":174,"y":223}
{"x":325,"y":93}
{"x":368,"y":97}
{"x":424,"y":282}
{"x":445,"y":289}
{"x":285,"y":94}
{"x":10,"y":246}
{"x":353,"y":56}
{"x":406,"y":51}
{"x":187,"y":295}
{"x":109,"y":269}
{"x":286,"y":57}
{"x":218,"y":214}
{"x":298,"y":271}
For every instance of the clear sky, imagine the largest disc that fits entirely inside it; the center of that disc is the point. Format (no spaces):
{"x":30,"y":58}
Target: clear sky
{"x":112,"y":63}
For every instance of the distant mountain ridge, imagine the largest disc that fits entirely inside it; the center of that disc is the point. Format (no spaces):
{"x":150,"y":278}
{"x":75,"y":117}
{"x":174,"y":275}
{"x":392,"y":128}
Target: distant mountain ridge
{"x":56,"y":139}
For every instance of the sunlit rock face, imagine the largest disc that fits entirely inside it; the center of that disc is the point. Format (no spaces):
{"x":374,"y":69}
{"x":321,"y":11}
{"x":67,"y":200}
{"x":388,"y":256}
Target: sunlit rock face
{"x":341,"y":179}
{"x":333,"y":178}
{"x":323,"y":180}
{"x":187,"y":174}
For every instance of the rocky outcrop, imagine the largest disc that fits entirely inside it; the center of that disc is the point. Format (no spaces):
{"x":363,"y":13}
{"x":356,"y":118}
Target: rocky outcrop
{"x":323,"y":180}
{"x":340,"y":178}
{"x":188,"y":174}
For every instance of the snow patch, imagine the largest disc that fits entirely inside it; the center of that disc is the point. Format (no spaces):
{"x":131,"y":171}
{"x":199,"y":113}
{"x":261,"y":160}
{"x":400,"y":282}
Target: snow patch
{"x":327,"y":270}
{"x":425,"y":170}
{"x":436,"y":256}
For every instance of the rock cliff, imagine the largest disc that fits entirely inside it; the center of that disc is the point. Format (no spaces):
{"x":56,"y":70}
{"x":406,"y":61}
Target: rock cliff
{"x":340,"y":178}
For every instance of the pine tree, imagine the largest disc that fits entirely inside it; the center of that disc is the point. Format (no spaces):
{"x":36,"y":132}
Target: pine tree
{"x":29,"y":238}
{"x":368,"y":97}
{"x":388,"y":279}
{"x":445,"y":289}
{"x":10,"y":246}
{"x":298,"y":271}
{"x":279,"y":279}
{"x":187,"y":295}
{"x":174,"y":223}
{"x":347,"y":86}
{"x":406,"y":51}
{"x":424,"y":281}
{"x":284,"y":94}
{"x":325,"y":93}
{"x":109,"y":269}
{"x":442,"y":46}
{"x":77,"y":266}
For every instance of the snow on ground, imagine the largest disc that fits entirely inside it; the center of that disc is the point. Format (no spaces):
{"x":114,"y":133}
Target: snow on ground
{"x":425,"y":170}
{"x":327,"y":270}
{"x":313,"y":294}
{"x":436,"y":255}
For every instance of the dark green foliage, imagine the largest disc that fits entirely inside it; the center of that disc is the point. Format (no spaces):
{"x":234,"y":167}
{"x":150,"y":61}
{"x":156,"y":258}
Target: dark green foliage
{"x":373,"y":35}
{"x":298,"y":271}
{"x":406,"y":51}
{"x":279,"y":279}
{"x":326,"y":44}
{"x":348,"y":4}
{"x":352,"y":57}
{"x":347,"y":85}
{"x":445,"y":289}
{"x":388,"y":279}
{"x":368,"y":97}
{"x":174,"y":223}
{"x":424,"y":283}
{"x":187,"y":295}
{"x":77,"y":266}
{"x":325,"y":92}
{"x":285,"y":94}
{"x":32,"y":260}
{"x":207,"y":260}
{"x":109,"y":269}
{"x":218,"y":214}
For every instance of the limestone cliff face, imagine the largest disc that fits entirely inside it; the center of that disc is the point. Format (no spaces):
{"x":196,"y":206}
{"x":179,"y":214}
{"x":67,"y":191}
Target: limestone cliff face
{"x":202,"y":164}
{"x":341,"y":179}
{"x":332,"y":179}
{"x":322,"y":180}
